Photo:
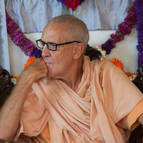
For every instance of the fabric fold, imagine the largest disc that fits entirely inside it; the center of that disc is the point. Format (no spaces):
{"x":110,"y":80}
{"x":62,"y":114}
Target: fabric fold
{"x":89,"y":114}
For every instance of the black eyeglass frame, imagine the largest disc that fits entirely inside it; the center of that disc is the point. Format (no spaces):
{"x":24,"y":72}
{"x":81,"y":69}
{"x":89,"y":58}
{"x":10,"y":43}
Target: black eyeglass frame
{"x":53,"y":44}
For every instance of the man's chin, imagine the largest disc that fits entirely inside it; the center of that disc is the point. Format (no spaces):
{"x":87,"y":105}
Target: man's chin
{"x":50,"y":76}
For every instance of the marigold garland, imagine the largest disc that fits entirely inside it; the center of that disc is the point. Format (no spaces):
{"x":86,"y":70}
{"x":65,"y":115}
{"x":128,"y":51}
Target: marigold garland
{"x":29,"y":61}
{"x":118,"y":63}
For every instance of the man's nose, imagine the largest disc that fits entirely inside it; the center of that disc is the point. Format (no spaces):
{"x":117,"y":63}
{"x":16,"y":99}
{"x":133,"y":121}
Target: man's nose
{"x":46,"y":52}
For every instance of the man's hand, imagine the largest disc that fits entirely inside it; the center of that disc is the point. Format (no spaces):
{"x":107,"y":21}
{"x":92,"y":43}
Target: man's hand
{"x":34,"y":72}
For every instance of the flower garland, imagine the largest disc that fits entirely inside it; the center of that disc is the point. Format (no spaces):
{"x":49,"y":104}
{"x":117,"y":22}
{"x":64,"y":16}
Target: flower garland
{"x":139,"y":27}
{"x":73,"y":4}
{"x":19,"y":39}
{"x":29,"y":48}
{"x":135,"y":16}
{"x":123,"y":29}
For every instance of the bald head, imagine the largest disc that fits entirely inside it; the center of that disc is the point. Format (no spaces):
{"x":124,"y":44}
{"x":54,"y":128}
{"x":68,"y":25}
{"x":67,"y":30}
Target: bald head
{"x":76,"y":29}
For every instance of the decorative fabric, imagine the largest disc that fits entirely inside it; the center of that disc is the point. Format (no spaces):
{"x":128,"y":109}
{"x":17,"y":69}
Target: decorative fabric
{"x":4,"y":51}
{"x":33,"y":15}
{"x":90,"y":114}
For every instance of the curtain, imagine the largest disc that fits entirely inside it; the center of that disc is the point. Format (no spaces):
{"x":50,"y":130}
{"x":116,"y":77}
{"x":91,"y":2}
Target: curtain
{"x":4,"y":52}
{"x":33,"y":15}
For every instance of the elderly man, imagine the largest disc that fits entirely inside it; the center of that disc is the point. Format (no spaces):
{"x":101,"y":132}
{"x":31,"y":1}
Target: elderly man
{"x":66,"y":98}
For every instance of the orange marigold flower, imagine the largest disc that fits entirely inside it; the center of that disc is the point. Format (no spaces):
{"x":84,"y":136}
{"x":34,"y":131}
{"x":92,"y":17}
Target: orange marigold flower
{"x":100,"y":47}
{"x":130,"y":74}
{"x":29,"y":61}
{"x":118,"y":63}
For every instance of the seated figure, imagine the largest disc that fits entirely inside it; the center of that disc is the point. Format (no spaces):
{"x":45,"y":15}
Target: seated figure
{"x":64,"y":97}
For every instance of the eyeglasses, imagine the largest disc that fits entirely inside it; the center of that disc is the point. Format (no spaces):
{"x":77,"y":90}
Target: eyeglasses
{"x":50,"y":45}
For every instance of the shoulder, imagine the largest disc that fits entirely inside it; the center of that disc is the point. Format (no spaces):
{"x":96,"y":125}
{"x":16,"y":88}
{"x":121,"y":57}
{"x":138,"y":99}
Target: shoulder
{"x":105,"y":66}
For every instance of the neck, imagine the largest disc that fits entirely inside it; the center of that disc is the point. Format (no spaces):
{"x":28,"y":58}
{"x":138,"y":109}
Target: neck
{"x":74,"y":75}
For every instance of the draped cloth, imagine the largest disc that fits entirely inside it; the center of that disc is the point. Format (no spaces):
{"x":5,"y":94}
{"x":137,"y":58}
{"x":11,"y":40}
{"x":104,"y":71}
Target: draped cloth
{"x":103,"y":106}
{"x":98,"y":15}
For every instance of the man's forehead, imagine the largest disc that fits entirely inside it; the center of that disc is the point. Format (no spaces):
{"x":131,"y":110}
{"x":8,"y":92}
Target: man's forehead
{"x":56,"y":29}
{"x":57,"y":25}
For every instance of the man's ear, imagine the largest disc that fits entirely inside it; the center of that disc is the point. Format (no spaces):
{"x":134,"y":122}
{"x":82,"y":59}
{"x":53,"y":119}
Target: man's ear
{"x":78,"y":50}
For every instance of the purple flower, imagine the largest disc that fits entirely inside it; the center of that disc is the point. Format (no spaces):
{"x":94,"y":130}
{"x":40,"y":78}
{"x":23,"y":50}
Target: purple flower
{"x":131,"y":17}
{"x":36,"y":52}
{"x":62,"y":1}
{"x":124,"y":28}
{"x":140,"y":25}
{"x":140,"y":59}
{"x":118,"y":36}
{"x":140,"y":47}
{"x":139,"y":15}
{"x":108,"y":46}
{"x":19,"y":39}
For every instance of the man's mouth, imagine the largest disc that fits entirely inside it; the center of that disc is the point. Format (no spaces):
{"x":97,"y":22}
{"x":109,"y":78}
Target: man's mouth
{"x":47,"y":61}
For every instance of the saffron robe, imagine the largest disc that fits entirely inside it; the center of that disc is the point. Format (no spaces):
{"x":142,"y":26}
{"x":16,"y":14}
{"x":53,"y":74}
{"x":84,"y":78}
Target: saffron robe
{"x":104,"y":106}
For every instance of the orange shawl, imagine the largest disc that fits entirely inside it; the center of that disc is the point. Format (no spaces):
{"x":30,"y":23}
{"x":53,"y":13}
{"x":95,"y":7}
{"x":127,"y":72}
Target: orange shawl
{"x":104,"y":98}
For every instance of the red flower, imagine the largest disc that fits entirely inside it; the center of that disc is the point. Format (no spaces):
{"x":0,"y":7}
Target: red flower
{"x":73,"y":4}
